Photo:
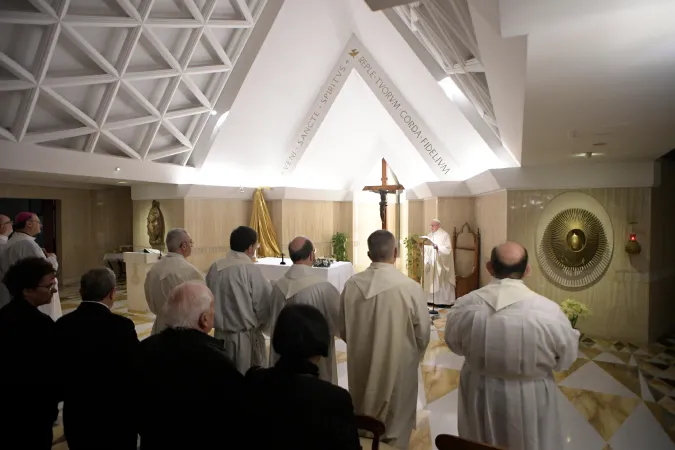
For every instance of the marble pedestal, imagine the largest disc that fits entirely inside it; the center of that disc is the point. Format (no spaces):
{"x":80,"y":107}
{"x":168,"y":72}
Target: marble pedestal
{"x":137,"y":267}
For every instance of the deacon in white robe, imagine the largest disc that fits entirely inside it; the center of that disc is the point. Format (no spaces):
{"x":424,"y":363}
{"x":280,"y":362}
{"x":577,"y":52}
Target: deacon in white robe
{"x":301,"y":286}
{"x":22,"y":245}
{"x":512,"y":339}
{"x":439,"y":267}
{"x":242,"y":296}
{"x":385,"y":323}
{"x":167,"y":273}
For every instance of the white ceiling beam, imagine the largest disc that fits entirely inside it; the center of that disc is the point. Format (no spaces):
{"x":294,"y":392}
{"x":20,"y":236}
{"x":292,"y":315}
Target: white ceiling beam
{"x":195,"y":129}
{"x":130,"y":9}
{"x":201,"y":70}
{"x":26,"y":18}
{"x":84,"y":80}
{"x":86,"y":47}
{"x":229,"y":23}
{"x":471,"y":66}
{"x":121,"y":144}
{"x":151,"y":74}
{"x":24,"y":114}
{"x":161,"y":48}
{"x":115,"y":125}
{"x":211,"y":39}
{"x":44,"y":7}
{"x":196,"y":92}
{"x":36,"y":138}
{"x":171,"y":151}
{"x":140,"y":98}
{"x":93,"y":21}
{"x":185,"y":112}
{"x":163,"y":108}
{"x":245,"y":11}
{"x":102,"y":114}
{"x":16,"y":68}
{"x":194,"y":10}
{"x":172,"y":23}
{"x":171,"y":128}
{"x":69,"y":107}
{"x":6,"y":134}
{"x":15,"y":85}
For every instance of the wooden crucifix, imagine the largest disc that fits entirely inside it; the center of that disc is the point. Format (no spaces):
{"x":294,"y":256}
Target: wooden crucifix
{"x":383,"y":190}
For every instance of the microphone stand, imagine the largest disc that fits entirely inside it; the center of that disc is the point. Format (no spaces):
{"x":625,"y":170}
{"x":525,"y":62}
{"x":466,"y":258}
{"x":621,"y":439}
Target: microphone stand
{"x":283,"y":263}
{"x":433,"y":311}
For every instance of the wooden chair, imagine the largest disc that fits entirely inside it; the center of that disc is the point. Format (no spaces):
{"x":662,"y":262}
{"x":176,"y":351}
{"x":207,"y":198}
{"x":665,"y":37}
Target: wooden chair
{"x":374,"y":426}
{"x":448,"y":442}
{"x":466,"y":249}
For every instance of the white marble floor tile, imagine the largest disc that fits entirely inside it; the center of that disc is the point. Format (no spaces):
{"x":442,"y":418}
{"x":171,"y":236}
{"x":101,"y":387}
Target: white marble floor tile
{"x":641,"y":431}
{"x":342,"y":375}
{"x":446,"y":359}
{"x":577,"y":433}
{"x":340,"y":345}
{"x":443,"y":415}
{"x":608,"y":357}
{"x":143,"y":327}
{"x":591,"y":377}
{"x":644,"y":389}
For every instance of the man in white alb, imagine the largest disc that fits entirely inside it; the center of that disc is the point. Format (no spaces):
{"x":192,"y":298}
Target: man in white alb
{"x":22,"y":245}
{"x":167,"y":273}
{"x":242,"y":296}
{"x":385,"y":322}
{"x":512,"y":339}
{"x":300,"y":285}
{"x":439,"y":267}
{"x":5,"y":230}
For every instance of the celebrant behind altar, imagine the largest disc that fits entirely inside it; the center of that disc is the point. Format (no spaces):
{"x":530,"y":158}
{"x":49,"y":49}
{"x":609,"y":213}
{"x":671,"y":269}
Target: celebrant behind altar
{"x":439,"y":267}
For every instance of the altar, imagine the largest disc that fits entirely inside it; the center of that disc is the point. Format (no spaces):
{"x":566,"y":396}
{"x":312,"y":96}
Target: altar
{"x":337,"y":274}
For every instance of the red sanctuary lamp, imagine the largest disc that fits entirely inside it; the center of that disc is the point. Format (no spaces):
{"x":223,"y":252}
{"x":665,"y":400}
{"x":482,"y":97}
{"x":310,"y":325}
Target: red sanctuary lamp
{"x":633,"y":246}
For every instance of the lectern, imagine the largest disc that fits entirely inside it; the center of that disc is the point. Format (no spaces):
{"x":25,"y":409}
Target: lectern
{"x":138,"y":265}
{"x":422,"y":241}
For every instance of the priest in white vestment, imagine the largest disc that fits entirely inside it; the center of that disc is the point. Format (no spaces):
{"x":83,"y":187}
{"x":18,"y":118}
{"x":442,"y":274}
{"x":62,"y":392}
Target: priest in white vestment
{"x":5,"y":230}
{"x":170,"y":271}
{"x":512,"y":339}
{"x":242,"y":296}
{"x":301,"y":286}
{"x":439,"y":267}
{"x":22,"y":245}
{"x":385,"y":323}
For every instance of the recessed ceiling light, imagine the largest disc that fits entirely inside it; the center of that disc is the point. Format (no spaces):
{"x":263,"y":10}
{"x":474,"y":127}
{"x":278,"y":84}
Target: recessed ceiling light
{"x":587,"y":154}
{"x":214,"y":112}
{"x":121,"y":182}
{"x":117,"y":169}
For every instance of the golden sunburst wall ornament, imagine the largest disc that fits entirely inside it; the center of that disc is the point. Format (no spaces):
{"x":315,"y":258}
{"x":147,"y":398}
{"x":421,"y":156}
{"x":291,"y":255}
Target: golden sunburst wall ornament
{"x":574,"y":241}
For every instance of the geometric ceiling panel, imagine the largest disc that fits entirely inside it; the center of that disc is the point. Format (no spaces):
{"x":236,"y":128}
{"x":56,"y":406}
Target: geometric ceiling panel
{"x":131,"y":78}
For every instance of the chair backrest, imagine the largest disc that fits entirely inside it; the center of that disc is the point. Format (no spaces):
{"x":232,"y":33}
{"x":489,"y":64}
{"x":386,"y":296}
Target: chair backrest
{"x":367,"y":423}
{"x":448,"y":442}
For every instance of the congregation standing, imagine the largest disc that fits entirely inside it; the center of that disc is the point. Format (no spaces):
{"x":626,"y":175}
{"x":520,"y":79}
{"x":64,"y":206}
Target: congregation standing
{"x":199,"y":391}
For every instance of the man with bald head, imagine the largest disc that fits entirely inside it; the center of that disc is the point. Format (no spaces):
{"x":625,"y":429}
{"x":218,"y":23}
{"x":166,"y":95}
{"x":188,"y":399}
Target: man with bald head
{"x":300,"y":285}
{"x":187,"y":379}
{"x":512,"y":339}
{"x":385,"y":322}
{"x":22,"y":245}
{"x":170,"y":271}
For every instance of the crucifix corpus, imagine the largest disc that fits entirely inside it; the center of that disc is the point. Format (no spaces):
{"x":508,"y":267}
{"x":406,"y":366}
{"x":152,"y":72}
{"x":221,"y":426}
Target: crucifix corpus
{"x":383,"y":190}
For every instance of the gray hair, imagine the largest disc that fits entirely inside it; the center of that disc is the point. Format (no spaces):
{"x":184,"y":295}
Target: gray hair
{"x":97,"y":283}
{"x":175,"y":238}
{"x":186,"y":303}
{"x":381,"y":245}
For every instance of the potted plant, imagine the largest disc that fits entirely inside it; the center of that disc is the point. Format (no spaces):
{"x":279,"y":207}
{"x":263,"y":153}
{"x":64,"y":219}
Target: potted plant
{"x":574,"y":310}
{"x":413,"y":257}
{"x":339,"y":246}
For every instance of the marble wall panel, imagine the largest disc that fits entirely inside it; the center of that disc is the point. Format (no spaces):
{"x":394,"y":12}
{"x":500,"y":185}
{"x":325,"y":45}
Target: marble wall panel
{"x":491,"y":218}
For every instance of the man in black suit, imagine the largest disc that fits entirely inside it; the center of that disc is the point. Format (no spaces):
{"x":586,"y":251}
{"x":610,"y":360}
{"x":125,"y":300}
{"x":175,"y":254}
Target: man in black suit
{"x":28,"y":397}
{"x":192,"y":391}
{"x":98,"y":349}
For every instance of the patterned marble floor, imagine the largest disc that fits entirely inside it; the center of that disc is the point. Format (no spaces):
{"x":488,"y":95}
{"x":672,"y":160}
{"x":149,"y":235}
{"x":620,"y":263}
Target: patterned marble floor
{"x":616,"y":396}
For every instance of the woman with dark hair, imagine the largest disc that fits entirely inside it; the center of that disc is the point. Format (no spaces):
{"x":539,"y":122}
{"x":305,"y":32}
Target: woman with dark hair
{"x":289,"y":406}
{"x":28,"y":392}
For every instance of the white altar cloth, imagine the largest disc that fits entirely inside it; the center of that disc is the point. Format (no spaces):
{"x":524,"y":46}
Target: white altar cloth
{"x":337,"y":274}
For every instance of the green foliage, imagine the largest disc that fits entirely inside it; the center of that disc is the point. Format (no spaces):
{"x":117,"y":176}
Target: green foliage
{"x":412,"y":259}
{"x":339,"y":245}
{"x":574,"y":310}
